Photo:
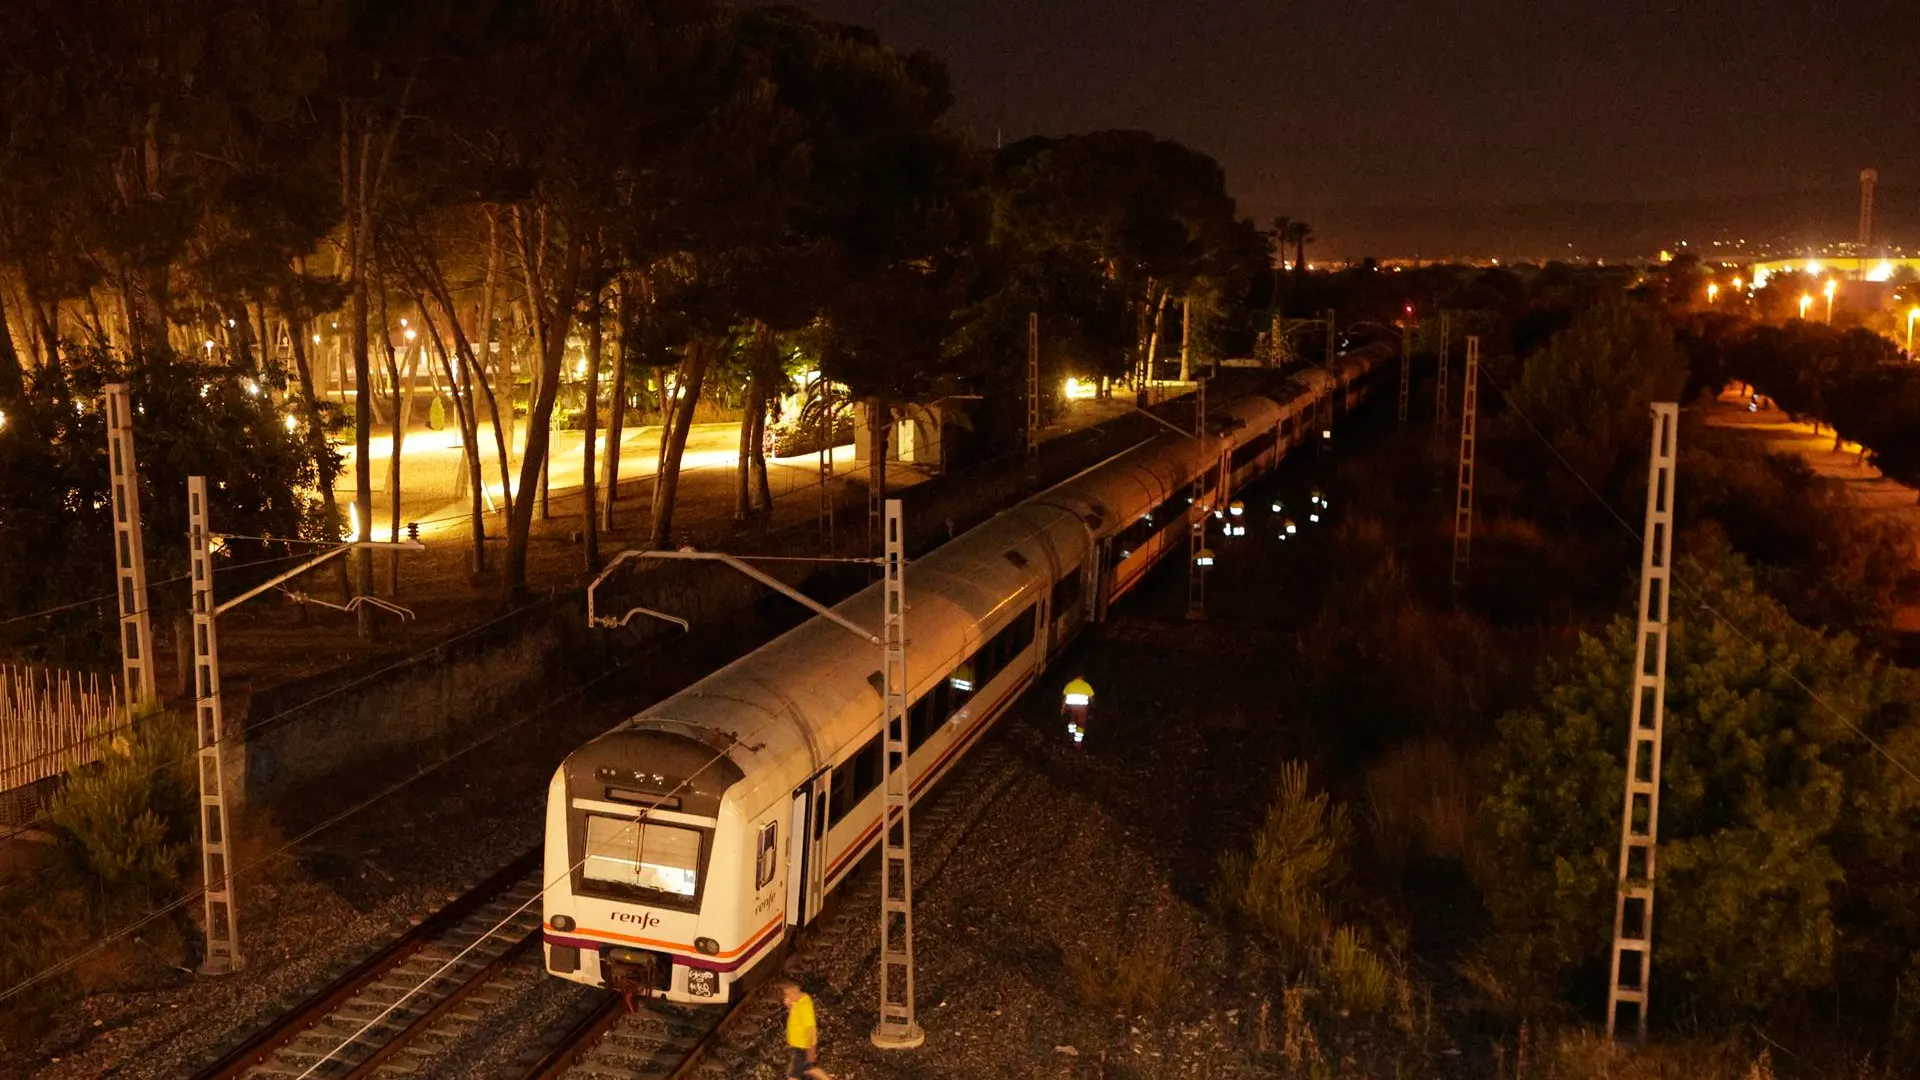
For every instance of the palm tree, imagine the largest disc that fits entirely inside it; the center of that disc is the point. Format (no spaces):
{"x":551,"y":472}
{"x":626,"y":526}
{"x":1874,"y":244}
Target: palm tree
{"x":1301,"y":234}
{"x":1281,"y":230}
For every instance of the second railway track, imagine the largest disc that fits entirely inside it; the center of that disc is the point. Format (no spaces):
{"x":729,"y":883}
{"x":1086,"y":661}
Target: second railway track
{"x":365,"y":1019}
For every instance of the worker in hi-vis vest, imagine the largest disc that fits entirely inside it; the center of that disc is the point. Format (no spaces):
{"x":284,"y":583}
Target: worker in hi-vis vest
{"x":1076,"y":703}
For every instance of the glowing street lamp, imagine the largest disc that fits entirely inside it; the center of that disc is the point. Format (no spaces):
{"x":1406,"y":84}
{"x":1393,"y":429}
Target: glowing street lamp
{"x":1832,"y":286}
{"x":1806,"y":301}
{"x":1912,"y":314}
{"x":1713,"y":293}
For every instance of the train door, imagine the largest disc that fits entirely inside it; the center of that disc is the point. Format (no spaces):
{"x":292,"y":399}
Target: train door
{"x":1097,"y":566}
{"x":807,"y":849}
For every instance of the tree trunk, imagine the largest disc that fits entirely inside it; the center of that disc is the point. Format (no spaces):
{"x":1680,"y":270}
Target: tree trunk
{"x":673,"y":441}
{"x":1153,"y":339}
{"x":483,"y":336}
{"x":767,"y":367}
{"x":589,"y":511}
{"x":13,"y":375}
{"x":466,"y":412}
{"x":878,"y":430}
{"x":617,"y":416}
{"x":362,"y":443}
{"x":550,"y":337}
{"x":1186,"y":339}
{"x":749,"y":409}
{"x":764,"y":490}
{"x":317,"y":449}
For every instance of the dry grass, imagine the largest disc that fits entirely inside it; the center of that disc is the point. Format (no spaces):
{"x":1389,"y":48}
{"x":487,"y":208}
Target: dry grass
{"x":1422,"y":800}
{"x":1138,"y":978}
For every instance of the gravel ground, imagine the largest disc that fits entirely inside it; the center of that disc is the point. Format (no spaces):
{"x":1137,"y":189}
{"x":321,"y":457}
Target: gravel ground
{"x":1071,"y":934}
{"x":1068,"y":935}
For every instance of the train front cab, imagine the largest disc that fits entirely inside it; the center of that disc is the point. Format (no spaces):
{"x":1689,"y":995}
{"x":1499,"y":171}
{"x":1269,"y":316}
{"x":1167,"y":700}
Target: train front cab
{"x":643,"y":871}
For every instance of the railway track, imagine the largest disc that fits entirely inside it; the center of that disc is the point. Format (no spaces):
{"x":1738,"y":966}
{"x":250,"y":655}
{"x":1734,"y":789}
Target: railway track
{"x":402,"y":989}
{"x":656,"y":1041}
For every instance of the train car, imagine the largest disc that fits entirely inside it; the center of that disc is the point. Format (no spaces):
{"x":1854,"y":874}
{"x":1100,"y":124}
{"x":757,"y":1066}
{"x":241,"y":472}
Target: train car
{"x":685,"y":844}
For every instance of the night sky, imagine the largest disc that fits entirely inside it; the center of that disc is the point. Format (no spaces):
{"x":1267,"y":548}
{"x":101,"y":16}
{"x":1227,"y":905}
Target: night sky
{"x":1472,"y":102}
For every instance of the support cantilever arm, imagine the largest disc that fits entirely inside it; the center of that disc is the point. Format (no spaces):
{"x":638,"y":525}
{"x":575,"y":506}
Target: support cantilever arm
{"x":223,"y":608}
{"x":768,"y":580}
{"x":1168,"y":424}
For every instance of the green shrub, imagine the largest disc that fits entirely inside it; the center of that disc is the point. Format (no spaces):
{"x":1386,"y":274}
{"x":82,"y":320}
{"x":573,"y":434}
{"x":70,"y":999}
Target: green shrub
{"x":1297,"y":854}
{"x":126,"y":822}
{"x":1360,"y":980}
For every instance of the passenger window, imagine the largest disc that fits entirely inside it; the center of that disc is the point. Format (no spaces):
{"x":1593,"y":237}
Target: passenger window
{"x":767,"y":860}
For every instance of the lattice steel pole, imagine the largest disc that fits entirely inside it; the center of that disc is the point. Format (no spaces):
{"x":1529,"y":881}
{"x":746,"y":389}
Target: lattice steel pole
{"x":1440,"y":385}
{"x":1640,"y":810}
{"x":1469,"y":423}
{"x":897,"y":1029}
{"x":223,"y":924}
{"x":1033,"y":383}
{"x":1332,"y":343}
{"x":129,"y":553}
{"x":1197,"y":514}
{"x":1406,"y":369}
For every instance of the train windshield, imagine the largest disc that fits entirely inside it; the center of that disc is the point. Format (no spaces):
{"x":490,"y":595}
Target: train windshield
{"x":642,"y":855}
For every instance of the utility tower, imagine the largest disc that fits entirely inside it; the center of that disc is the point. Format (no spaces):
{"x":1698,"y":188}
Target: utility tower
{"x":1440,"y":386}
{"x":129,"y":554}
{"x":223,"y":925}
{"x":1469,"y":421}
{"x":1333,"y":343}
{"x":216,"y":864}
{"x":897,"y":1029}
{"x":1197,"y":514}
{"x":1640,"y":811}
{"x":1869,"y":178}
{"x":1406,"y":369}
{"x":1033,"y":383}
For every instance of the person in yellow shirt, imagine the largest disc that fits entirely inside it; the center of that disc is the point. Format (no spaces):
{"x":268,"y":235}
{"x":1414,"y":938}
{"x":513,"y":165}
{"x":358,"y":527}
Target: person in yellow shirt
{"x":803,"y":1035}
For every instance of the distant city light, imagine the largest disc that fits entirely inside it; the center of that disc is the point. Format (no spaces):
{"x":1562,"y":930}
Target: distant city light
{"x":291,"y":423}
{"x":1077,"y":389}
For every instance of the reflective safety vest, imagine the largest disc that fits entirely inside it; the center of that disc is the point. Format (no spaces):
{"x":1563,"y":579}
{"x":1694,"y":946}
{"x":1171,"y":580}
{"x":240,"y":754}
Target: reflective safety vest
{"x":1079,"y":692}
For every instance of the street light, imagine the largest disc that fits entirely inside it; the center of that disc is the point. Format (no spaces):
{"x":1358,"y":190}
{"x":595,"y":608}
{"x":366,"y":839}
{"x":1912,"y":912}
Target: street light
{"x":1832,"y":286}
{"x":1713,"y":293}
{"x":1912,"y":314}
{"x":1806,"y":301}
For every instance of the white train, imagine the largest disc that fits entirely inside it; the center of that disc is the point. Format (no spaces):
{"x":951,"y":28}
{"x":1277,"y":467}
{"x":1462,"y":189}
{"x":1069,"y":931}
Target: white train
{"x":685,"y":843}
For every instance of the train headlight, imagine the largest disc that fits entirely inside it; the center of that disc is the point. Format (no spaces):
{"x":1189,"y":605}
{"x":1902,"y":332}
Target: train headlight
{"x":706,"y":945}
{"x":562,"y":922}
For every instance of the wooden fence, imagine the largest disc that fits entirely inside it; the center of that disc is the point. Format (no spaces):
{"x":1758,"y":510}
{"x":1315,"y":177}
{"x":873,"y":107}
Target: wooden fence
{"x":50,"y":720}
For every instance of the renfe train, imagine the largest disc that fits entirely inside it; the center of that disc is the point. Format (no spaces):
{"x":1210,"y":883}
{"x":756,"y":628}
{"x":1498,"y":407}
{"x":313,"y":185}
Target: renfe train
{"x":685,"y":844}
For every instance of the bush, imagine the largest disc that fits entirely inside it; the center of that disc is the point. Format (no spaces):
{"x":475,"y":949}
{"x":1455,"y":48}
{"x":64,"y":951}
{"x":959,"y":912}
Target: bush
{"x":1298,"y":853}
{"x":1769,"y":803}
{"x":1422,"y":799}
{"x":1360,"y":980}
{"x":126,"y":822}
